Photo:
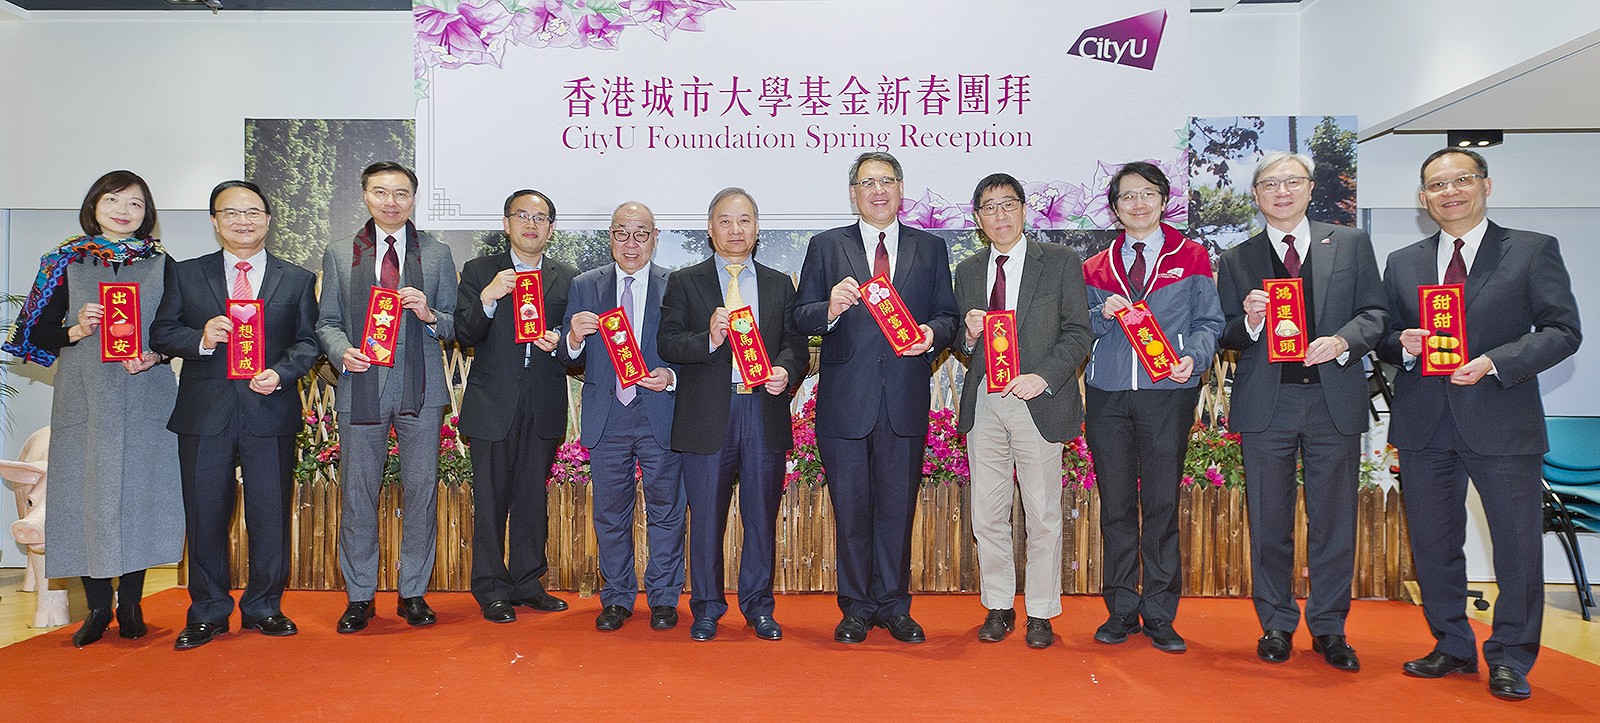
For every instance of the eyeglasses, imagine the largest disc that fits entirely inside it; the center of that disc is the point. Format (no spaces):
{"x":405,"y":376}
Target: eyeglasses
{"x":1271,"y":185}
{"x":620,"y":235}
{"x":230,"y":215}
{"x":383,"y":195}
{"x":993,"y":207}
{"x":1460,"y":182}
{"x":537,"y":219}
{"x":1130,"y":197}
{"x":872,"y":184}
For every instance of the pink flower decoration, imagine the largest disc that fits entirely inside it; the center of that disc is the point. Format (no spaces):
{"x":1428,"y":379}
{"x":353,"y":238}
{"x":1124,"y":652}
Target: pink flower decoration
{"x":472,"y":35}
{"x":932,"y":211}
{"x":1054,"y":204}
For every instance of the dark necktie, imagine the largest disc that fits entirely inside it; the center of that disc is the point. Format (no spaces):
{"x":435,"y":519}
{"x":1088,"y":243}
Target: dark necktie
{"x":1136,"y":272}
{"x":880,"y":263}
{"x":389,"y":275}
{"x":1456,"y":272}
{"x":997,"y":293}
{"x":1291,"y":257}
{"x":626,"y":394}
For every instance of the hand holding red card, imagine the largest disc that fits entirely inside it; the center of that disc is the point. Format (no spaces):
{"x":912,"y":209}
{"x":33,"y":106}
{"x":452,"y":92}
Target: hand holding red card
{"x":623,"y":348}
{"x":749,"y":352}
{"x":899,"y":327}
{"x":1149,"y":342}
{"x":527,"y":297}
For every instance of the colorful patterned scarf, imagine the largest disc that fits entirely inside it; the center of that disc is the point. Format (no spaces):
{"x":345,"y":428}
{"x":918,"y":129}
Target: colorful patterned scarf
{"x":53,"y":273}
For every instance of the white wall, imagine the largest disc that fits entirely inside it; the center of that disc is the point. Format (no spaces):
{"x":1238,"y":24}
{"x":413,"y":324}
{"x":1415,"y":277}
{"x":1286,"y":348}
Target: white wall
{"x":1245,"y":63}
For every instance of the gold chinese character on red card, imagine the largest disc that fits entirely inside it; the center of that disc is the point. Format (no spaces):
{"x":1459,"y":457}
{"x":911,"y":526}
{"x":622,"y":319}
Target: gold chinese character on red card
{"x":121,"y":334}
{"x":1443,"y":312}
{"x":624,"y":350}
{"x":246,"y":355}
{"x":1001,"y":358}
{"x":1286,"y":320}
{"x":528,"y":298}
{"x":1149,"y":342}
{"x":383,"y":326}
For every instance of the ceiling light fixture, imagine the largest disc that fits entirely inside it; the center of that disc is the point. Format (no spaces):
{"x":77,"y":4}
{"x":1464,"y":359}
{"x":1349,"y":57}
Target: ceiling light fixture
{"x":1475,"y":139}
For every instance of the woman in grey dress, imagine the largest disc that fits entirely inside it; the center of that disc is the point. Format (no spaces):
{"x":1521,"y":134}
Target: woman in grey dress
{"x":115,"y":500}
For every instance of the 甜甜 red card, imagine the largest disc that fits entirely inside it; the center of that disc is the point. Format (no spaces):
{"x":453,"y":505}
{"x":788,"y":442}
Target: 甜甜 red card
{"x":1286,"y":320}
{"x":1149,"y":342}
{"x":247,"y":356}
{"x":749,"y":351}
{"x":383,"y":326}
{"x":1443,"y":312}
{"x":1001,"y":360}
{"x":528,"y":298}
{"x":894,"y":319}
{"x":624,"y":350}
{"x":121,"y":334}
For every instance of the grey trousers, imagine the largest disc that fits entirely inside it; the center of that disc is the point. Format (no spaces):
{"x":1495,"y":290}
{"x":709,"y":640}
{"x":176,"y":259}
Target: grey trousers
{"x":363,"y":453}
{"x":1004,"y":440}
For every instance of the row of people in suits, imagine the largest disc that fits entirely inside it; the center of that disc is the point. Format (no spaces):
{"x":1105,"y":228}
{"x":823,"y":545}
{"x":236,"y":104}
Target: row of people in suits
{"x":872,"y":402}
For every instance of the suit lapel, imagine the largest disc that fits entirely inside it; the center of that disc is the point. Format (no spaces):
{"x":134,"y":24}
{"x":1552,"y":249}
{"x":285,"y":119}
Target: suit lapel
{"x":905,"y":258}
{"x":856,"y":253}
{"x":1324,"y":253}
{"x":771,"y":298}
{"x":1428,"y":263}
{"x":1031,"y":271}
{"x":608,"y":288}
{"x":270,"y":277}
{"x":1258,"y":258}
{"x":1490,"y":249}
{"x":217,"y":279}
{"x":977,"y":277}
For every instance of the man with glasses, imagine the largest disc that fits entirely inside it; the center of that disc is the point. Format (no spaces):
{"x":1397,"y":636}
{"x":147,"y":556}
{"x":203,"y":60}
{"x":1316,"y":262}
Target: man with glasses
{"x":872,"y":404}
{"x":514,"y":410}
{"x":1138,"y":429}
{"x":725,"y":429}
{"x":223,"y":424}
{"x":629,"y":427}
{"x":1016,"y":433}
{"x":409,"y":397}
{"x":1313,"y":411}
{"x":1484,"y":421}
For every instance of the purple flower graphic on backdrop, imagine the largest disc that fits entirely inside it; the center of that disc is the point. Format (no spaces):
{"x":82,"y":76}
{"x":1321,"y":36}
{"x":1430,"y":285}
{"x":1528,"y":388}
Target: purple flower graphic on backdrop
{"x":1054,"y":204}
{"x":595,"y":30}
{"x":664,"y":16}
{"x":932,"y":211}
{"x":471,"y":35}
{"x":544,"y":23}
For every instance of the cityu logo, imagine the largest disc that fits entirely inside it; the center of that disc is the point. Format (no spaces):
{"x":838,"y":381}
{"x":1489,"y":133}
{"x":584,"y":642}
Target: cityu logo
{"x":1132,"y":41}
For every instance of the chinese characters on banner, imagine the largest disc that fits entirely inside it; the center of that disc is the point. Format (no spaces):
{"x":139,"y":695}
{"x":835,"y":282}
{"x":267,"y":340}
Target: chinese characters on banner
{"x":623,"y":96}
{"x":246,"y":356}
{"x":528,"y":298}
{"x":121,"y":337}
{"x":623,"y":348}
{"x":1286,"y":320}
{"x":896,"y":321}
{"x":1443,"y":309}
{"x":749,"y":352}
{"x":1149,"y":342}
{"x":383,"y":326}
{"x":1000,"y":343}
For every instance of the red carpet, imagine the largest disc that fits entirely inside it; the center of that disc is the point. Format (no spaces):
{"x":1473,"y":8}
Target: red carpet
{"x":557,"y":665}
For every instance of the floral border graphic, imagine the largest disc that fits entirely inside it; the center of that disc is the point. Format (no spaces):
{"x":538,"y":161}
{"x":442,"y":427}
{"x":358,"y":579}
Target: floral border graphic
{"x":1056,"y":204}
{"x":452,"y":33}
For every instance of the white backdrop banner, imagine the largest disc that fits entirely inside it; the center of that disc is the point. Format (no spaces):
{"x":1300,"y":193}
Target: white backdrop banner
{"x":666,"y":101}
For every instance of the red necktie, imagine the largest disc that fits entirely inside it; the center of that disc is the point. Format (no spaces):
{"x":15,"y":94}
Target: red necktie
{"x":389,"y":275}
{"x":880,"y":263}
{"x":241,"y":282}
{"x":1136,"y":272}
{"x":997,"y":294}
{"x":1291,"y":257}
{"x":1456,"y":272}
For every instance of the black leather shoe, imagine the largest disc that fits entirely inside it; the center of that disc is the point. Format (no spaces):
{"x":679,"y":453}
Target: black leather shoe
{"x":850,"y":630}
{"x":903,"y":628}
{"x":195,"y":635}
{"x":703,"y":629}
{"x":611,"y":618}
{"x":356,"y":615}
{"x":543,"y":602}
{"x":416,"y":611}
{"x":1507,"y":684}
{"x":767,"y":628}
{"x":1276,"y":646}
{"x":1336,"y":651}
{"x":94,"y":626}
{"x":663,"y":617}
{"x":130,"y":622}
{"x":997,"y":625}
{"x":1039,"y":636}
{"x":1164,"y":637}
{"x":1116,"y":629}
{"x":274,"y":625}
{"x":499,"y":611}
{"x":1438,"y":665}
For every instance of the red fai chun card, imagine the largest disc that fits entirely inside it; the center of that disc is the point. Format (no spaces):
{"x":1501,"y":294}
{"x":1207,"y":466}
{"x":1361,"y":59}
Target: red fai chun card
{"x":1149,"y":342}
{"x":528,"y":298}
{"x":624,"y":350}
{"x":246,"y":355}
{"x":1286,"y":320}
{"x":1000,"y":348}
{"x":1443,"y":312}
{"x":383,"y":326}
{"x":896,"y":321}
{"x":121,"y":335}
{"x":749,"y":352}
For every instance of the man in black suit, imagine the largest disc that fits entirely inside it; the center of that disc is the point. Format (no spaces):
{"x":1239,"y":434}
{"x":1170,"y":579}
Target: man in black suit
{"x":250,"y":424}
{"x":1314,"y":410}
{"x":723,"y":429}
{"x":1485,"y":421}
{"x":872,"y":404}
{"x":514,"y":410}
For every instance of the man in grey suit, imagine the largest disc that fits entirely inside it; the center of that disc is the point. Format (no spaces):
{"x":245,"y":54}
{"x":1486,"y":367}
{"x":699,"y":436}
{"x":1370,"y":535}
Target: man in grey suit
{"x":1016,"y":433}
{"x":628,"y":428}
{"x":410,"y":397}
{"x":1314,"y":410}
{"x":1485,"y":421}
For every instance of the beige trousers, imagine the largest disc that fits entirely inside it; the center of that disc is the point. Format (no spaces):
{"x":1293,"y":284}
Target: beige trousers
{"x":1004,"y":440}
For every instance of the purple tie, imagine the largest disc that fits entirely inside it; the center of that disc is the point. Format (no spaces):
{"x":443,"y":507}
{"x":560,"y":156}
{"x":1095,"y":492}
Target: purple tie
{"x":1137,"y":270}
{"x":1291,"y":256}
{"x":389,"y":273}
{"x":997,"y":294}
{"x":626,"y":394}
{"x":880,"y":260}
{"x":1456,"y":272}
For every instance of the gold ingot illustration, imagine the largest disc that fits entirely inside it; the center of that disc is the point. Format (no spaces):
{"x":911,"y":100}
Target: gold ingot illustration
{"x":1443,"y":358}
